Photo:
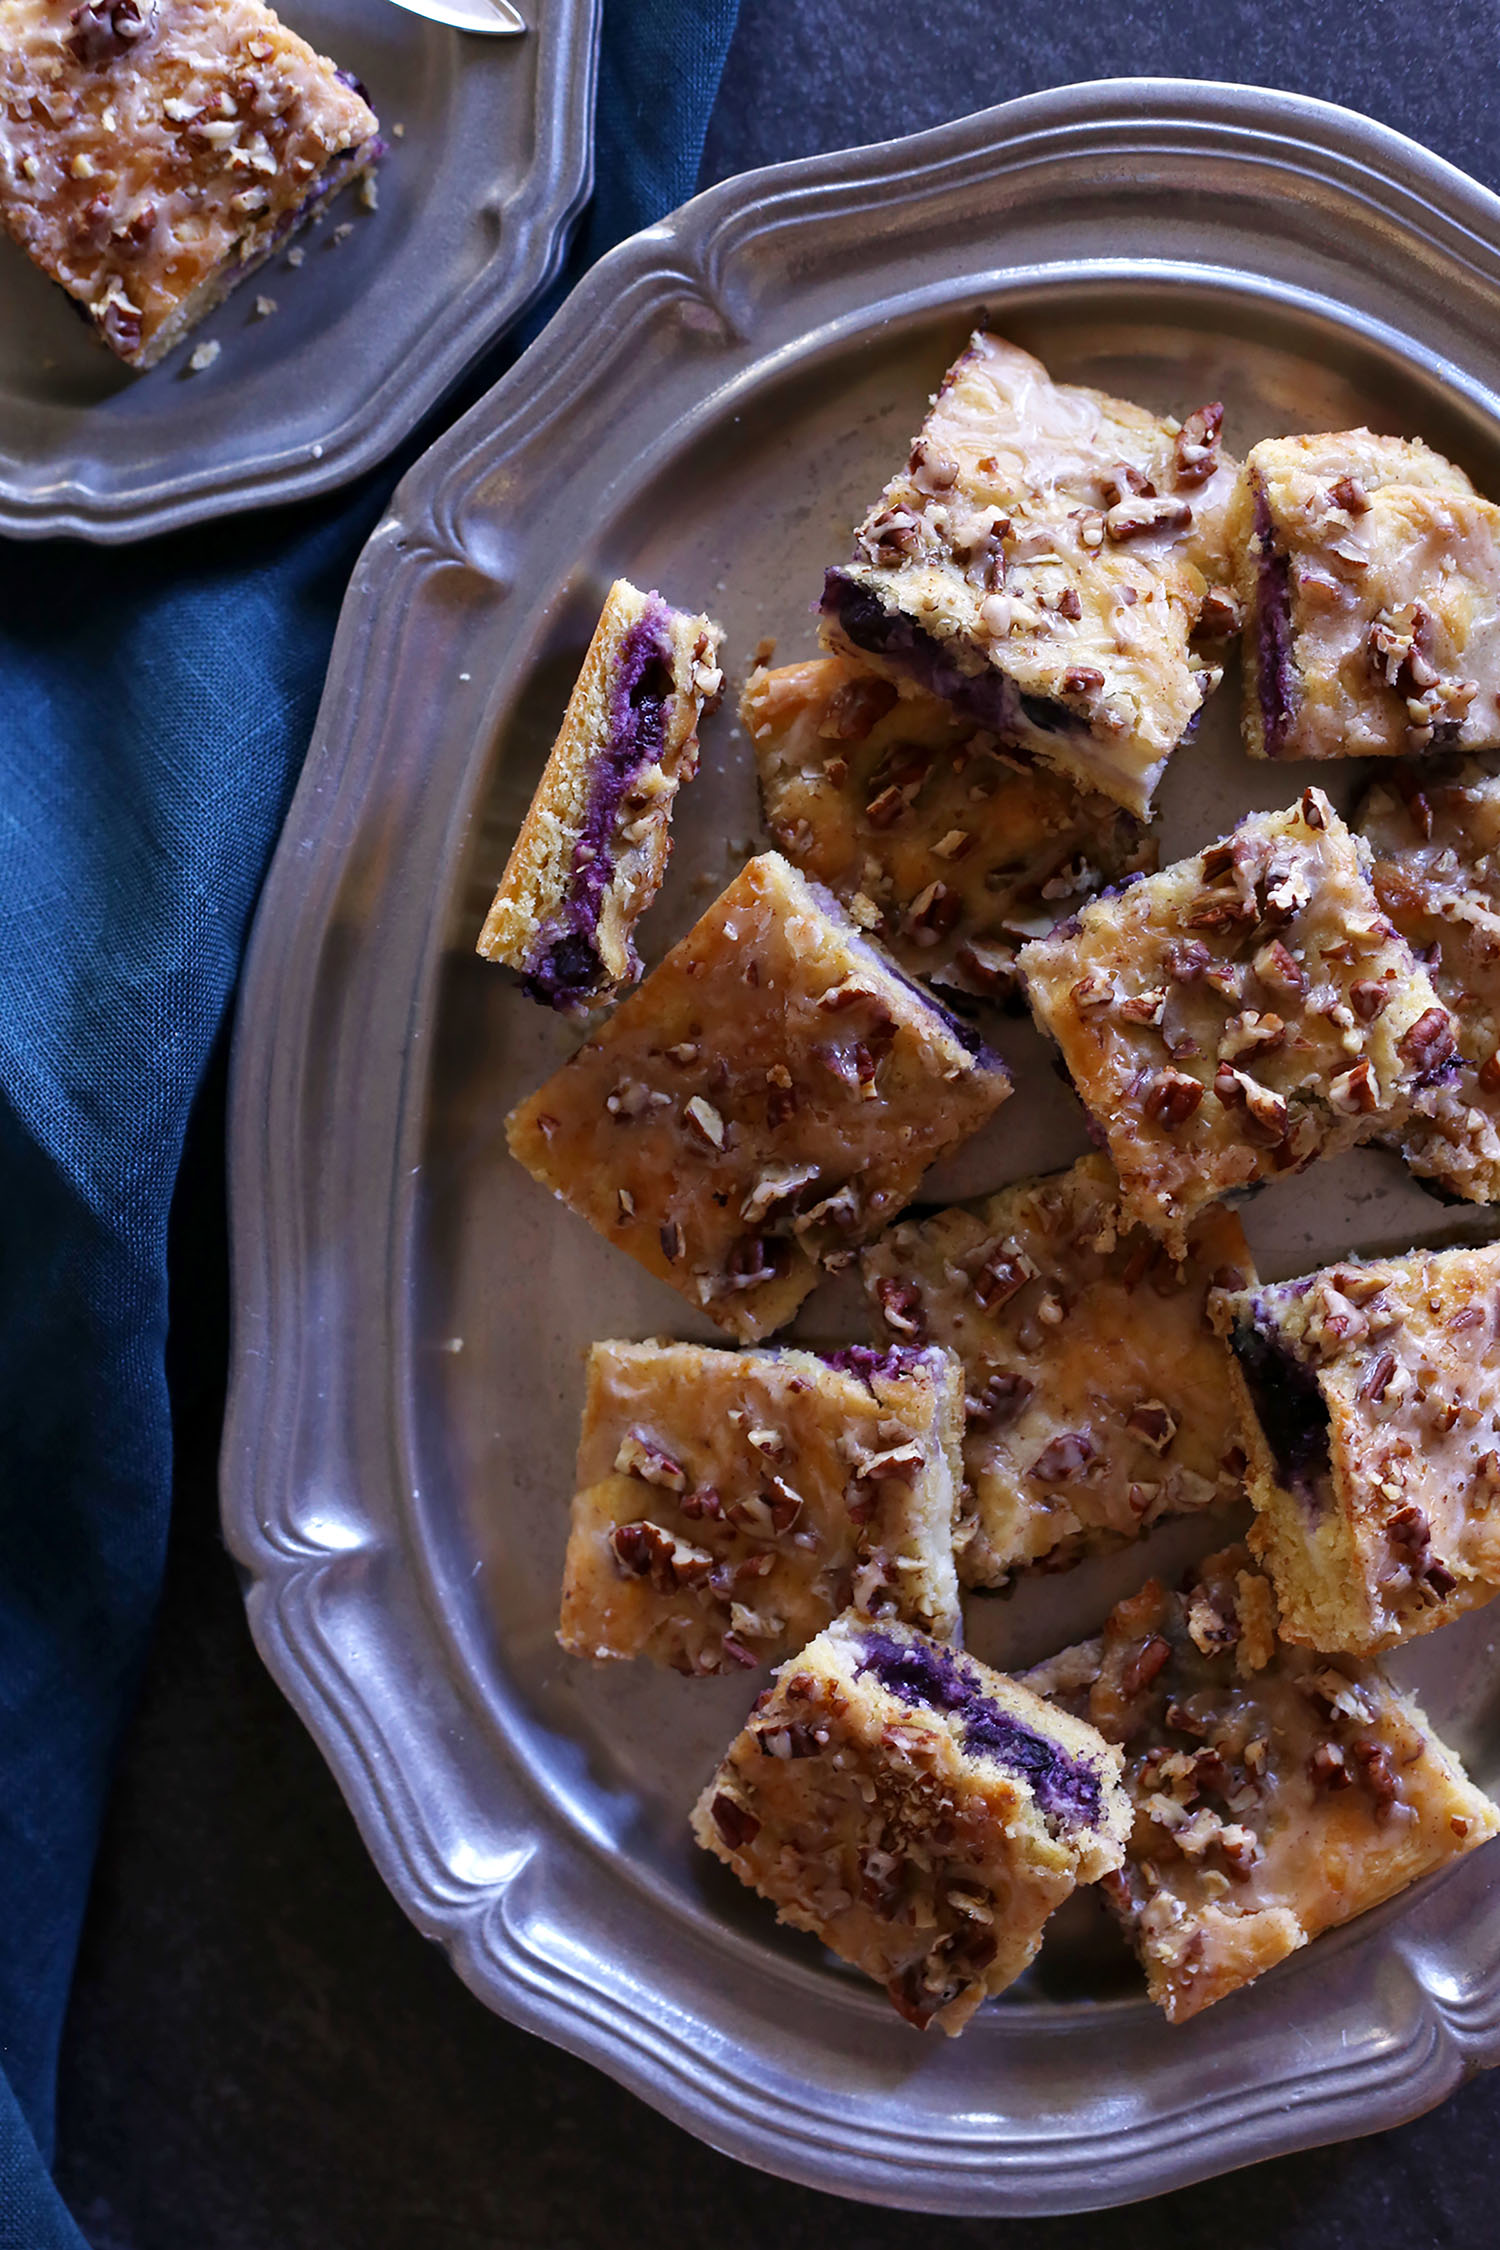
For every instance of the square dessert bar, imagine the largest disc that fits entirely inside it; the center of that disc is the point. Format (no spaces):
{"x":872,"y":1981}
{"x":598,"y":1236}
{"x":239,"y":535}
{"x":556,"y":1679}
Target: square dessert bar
{"x":1042,"y":562}
{"x":1276,"y":1794}
{"x":1436,"y":840}
{"x":951,"y":847}
{"x":1370,"y":1402}
{"x":1370,"y":578}
{"x":1239,"y":1014}
{"x":154,"y":152}
{"x":1098,"y":1395}
{"x":919,"y":1813}
{"x":594,"y":846}
{"x":731,"y":1504}
{"x":765,"y":1102}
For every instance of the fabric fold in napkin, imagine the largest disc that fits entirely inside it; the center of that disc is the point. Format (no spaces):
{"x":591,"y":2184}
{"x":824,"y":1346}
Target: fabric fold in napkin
{"x":155,"y":704}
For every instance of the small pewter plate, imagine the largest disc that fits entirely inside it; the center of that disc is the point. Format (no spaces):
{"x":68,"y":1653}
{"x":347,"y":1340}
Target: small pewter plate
{"x":709,"y":414}
{"x":492,"y":162}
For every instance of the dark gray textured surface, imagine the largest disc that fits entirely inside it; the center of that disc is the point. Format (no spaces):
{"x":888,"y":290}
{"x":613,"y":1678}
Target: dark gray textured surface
{"x":262,"y":2054}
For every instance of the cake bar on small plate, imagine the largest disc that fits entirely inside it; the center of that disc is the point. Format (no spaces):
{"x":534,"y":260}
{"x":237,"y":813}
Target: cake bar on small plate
{"x":765,"y":1102}
{"x":1370,"y":580}
{"x":919,"y":1813}
{"x":1098,"y":1394}
{"x":593,"y":848}
{"x":1041,"y":563}
{"x":730,"y":1504}
{"x":1276,"y":1793}
{"x":154,"y":152}
{"x":1436,"y":839}
{"x":950,"y":846}
{"x":1370,"y":1403}
{"x":1239,"y":1014}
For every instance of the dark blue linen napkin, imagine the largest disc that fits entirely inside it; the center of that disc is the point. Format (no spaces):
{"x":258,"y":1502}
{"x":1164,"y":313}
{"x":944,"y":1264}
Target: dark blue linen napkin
{"x":155,"y":704}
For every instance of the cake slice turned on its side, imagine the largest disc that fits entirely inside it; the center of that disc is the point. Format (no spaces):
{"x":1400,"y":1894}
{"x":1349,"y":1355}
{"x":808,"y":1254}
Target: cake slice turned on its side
{"x":154,"y":152}
{"x":594,"y":846}
{"x":918,"y":1812}
{"x":1276,"y":1793}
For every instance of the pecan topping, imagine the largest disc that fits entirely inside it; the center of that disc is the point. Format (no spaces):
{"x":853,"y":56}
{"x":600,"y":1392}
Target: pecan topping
{"x":1251,"y":1034}
{"x":933,"y":914}
{"x":1070,"y":1454}
{"x":639,"y":1457}
{"x":1279,"y":970}
{"x":1350,"y":495}
{"x":1266,"y":1112}
{"x":735,"y":1822}
{"x":998,"y":1402}
{"x":1354,"y":1093}
{"x":1315,"y":808}
{"x":1219,"y":615}
{"x":1172,"y":1098}
{"x":856,"y":707}
{"x":1376,"y":1382}
{"x":1372,"y":1764}
{"x":1429,"y":1042}
{"x":1369,"y":998}
{"x":705,"y":1121}
{"x":1154,"y":1423}
{"x":1082,"y":679}
{"x":1142,"y":1668}
{"x":901,"y":1307}
{"x":1196,"y":453}
{"x":670,"y":1238}
{"x":1003,"y":1276}
{"x":1133,"y":519}
{"x":103,"y":29}
{"x":1327,"y":1768}
{"x":645,"y":1550}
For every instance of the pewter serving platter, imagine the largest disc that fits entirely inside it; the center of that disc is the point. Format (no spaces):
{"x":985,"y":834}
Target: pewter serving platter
{"x":478,"y":190}
{"x":709,"y":414}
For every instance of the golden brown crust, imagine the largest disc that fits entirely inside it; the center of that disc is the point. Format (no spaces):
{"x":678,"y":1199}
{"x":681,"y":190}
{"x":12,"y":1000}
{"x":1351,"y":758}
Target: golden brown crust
{"x":627,"y":744}
{"x":1436,"y":839}
{"x":765,"y":1102}
{"x":1276,"y":1793}
{"x":951,"y":847}
{"x":1240,"y":1014}
{"x":1099,"y":1396}
{"x":1048,"y":550}
{"x":1370,"y":579}
{"x":1370,"y":1404}
{"x":730,"y":1504}
{"x":153,"y":151}
{"x":865,"y":1815}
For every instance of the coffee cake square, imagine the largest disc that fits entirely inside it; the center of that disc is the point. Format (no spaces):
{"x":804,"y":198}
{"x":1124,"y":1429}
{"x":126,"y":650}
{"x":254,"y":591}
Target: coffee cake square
{"x":1042,"y":563}
{"x":730,"y":1504}
{"x":1098,"y":1397}
{"x":765,"y":1102}
{"x":1240,"y":1014}
{"x":154,"y":152}
{"x":1436,"y":839}
{"x":950,"y":846}
{"x":1370,"y":1409}
{"x":1276,"y":1794}
{"x":1370,"y":581}
{"x":594,"y":845}
{"x":918,"y":1812}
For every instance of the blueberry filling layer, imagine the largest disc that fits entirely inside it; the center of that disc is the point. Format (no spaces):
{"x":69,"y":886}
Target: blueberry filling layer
{"x":987,"y":697}
{"x":1065,"y":1789}
{"x":1276,"y":679}
{"x":1289,"y":1407}
{"x":968,"y":1038}
{"x":564,"y":963}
